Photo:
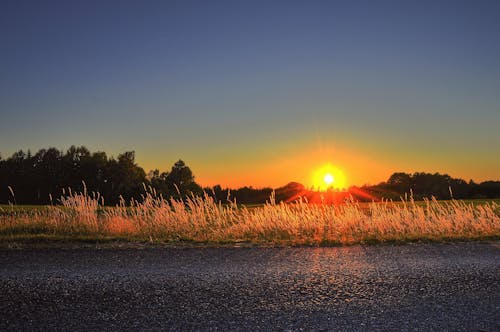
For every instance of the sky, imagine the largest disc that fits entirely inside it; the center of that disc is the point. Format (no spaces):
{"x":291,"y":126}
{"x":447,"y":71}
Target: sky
{"x":258,"y":93}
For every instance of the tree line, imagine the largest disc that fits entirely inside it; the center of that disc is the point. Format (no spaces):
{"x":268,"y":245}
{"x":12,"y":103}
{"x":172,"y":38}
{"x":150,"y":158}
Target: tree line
{"x":441,"y":186}
{"x":41,"y":178}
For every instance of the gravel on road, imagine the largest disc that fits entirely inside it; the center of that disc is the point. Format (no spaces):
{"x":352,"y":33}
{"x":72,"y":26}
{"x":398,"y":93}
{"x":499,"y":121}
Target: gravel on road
{"x":426,"y":287}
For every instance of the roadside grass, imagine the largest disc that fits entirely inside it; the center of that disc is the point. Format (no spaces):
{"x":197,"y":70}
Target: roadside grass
{"x":21,"y":209}
{"x":201,"y":220}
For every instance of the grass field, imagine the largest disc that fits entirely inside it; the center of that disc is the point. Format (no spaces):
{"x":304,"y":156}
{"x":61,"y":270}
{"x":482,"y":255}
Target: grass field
{"x":80,"y":218}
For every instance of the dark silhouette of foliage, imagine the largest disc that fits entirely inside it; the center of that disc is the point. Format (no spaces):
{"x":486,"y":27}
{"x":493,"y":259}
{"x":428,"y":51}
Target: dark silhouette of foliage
{"x":34,"y":179}
{"x":440,"y":186}
{"x":179,"y":183}
{"x":400,"y":181}
{"x":250,"y":195}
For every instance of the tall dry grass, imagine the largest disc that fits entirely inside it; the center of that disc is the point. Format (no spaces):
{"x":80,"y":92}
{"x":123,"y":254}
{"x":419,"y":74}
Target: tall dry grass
{"x":201,"y":219}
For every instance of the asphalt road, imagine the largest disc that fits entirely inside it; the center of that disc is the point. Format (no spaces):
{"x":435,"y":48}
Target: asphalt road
{"x":453,"y":287}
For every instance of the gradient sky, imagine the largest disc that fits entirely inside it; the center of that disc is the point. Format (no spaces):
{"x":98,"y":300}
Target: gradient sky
{"x":258,"y":93}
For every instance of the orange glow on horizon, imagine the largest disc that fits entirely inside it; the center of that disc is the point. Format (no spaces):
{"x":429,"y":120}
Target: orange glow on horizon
{"x":297,"y":163}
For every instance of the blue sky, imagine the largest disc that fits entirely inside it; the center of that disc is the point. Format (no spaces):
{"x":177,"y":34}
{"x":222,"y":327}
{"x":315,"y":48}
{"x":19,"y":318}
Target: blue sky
{"x":258,"y":93}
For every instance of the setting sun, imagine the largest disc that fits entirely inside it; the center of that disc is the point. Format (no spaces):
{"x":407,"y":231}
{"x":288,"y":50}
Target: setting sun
{"x":328,"y":177}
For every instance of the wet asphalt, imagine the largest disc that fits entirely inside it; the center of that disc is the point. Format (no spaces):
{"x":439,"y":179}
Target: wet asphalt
{"x":413,"y":287}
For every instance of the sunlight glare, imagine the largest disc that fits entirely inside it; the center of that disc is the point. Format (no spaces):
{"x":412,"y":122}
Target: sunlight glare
{"x":328,"y":177}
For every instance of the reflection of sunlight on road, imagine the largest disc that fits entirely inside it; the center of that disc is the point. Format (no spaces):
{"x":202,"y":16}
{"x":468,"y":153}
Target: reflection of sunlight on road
{"x":319,"y":260}
{"x":320,"y":275}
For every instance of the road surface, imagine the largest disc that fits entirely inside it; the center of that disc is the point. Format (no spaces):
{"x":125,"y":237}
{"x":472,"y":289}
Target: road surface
{"x":408,"y":287}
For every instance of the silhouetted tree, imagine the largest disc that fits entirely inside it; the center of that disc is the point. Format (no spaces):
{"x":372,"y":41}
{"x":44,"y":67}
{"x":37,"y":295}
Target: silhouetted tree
{"x":178,"y":183}
{"x":441,"y":186}
{"x":401,"y":182}
{"x":160,"y":183}
{"x":125,"y":177}
{"x":489,"y":189}
{"x":34,"y":178}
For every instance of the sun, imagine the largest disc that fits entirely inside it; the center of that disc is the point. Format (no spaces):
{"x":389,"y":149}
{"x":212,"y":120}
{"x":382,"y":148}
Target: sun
{"x":328,"y":177}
